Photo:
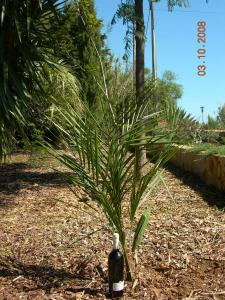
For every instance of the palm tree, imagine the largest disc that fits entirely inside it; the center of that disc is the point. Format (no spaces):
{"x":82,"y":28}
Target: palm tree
{"x":25,"y":54}
{"x":102,"y":164}
{"x":131,"y":11}
{"x":140,"y":68}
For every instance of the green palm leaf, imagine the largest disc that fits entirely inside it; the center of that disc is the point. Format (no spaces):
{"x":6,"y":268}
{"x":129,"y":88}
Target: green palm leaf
{"x":139,"y":232}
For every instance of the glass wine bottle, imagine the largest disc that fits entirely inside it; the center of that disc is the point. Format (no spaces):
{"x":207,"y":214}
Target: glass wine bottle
{"x":116,"y":270}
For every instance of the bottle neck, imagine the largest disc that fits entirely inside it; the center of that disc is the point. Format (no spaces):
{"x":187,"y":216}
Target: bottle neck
{"x":116,"y":241}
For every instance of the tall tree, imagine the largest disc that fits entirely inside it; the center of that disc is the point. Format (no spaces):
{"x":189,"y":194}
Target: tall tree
{"x":140,"y":72}
{"x":131,"y":11}
{"x":74,"y":36}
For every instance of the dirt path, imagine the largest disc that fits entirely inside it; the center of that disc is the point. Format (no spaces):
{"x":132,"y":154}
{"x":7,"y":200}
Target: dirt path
{"x":182,"y":255}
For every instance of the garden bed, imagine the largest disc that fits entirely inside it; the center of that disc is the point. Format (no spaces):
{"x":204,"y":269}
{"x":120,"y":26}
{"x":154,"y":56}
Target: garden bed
{"x":182,"y":254}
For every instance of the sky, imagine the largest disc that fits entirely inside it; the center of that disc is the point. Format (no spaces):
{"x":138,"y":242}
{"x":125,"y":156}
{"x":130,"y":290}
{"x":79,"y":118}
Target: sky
{"x":177,"y":46}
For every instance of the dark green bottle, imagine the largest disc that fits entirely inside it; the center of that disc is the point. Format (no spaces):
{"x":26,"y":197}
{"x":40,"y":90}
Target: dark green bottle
{"x":116,"y":270}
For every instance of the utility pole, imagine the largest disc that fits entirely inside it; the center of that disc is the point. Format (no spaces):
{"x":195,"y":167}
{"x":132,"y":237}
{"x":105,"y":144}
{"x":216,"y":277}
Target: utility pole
{"x":202,"y":111}
{"x":154,"y":65}
{"x":134,"y":55}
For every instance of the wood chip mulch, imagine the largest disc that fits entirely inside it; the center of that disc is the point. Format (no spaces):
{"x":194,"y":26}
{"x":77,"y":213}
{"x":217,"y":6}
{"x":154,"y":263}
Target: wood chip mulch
{"x":44,"y":255}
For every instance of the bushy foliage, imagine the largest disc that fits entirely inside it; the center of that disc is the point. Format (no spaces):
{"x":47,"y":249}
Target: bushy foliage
{"x":79,"y":42}
{"x":167,"y":90}
{"x":217,"y":122}
{"x":213,"y":123}
{"x":221,"y":116}
{"x":26,"y":51}
{"x":207,"y":150}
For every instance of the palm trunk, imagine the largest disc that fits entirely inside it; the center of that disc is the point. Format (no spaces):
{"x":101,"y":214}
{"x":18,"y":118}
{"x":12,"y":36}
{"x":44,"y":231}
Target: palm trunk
{"x":129,"y":264}
{"x":140,"y":66}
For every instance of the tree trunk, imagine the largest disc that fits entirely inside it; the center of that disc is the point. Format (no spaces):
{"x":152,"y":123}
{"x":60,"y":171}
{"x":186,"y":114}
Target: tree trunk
{"x":140,"y":66}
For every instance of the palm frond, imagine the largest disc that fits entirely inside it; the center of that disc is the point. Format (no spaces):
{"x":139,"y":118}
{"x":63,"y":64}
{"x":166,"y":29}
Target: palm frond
{"x":24,"y":53}
{"x":102,"y":162}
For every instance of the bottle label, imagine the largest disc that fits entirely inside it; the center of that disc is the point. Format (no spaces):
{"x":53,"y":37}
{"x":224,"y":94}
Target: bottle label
{"x":118,"y":286}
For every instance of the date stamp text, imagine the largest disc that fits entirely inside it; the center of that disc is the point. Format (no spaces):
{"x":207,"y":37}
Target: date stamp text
{"x":201,"y":52}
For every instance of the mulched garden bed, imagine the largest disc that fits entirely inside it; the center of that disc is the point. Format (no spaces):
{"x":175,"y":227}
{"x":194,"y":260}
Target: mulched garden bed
{"x":43,"y":254}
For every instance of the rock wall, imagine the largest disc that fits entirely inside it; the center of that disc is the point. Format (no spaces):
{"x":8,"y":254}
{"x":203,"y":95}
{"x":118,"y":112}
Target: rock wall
{"x":211,"y":169}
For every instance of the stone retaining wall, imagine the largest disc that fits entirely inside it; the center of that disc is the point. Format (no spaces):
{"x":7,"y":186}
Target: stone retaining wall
{"x":211,"y":169}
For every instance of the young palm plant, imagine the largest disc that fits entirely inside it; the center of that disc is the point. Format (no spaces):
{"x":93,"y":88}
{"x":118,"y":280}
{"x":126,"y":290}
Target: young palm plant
{"x":103,"y":164}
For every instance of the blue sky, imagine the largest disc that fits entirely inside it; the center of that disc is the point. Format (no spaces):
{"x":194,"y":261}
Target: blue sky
{"x":176,"y":38}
